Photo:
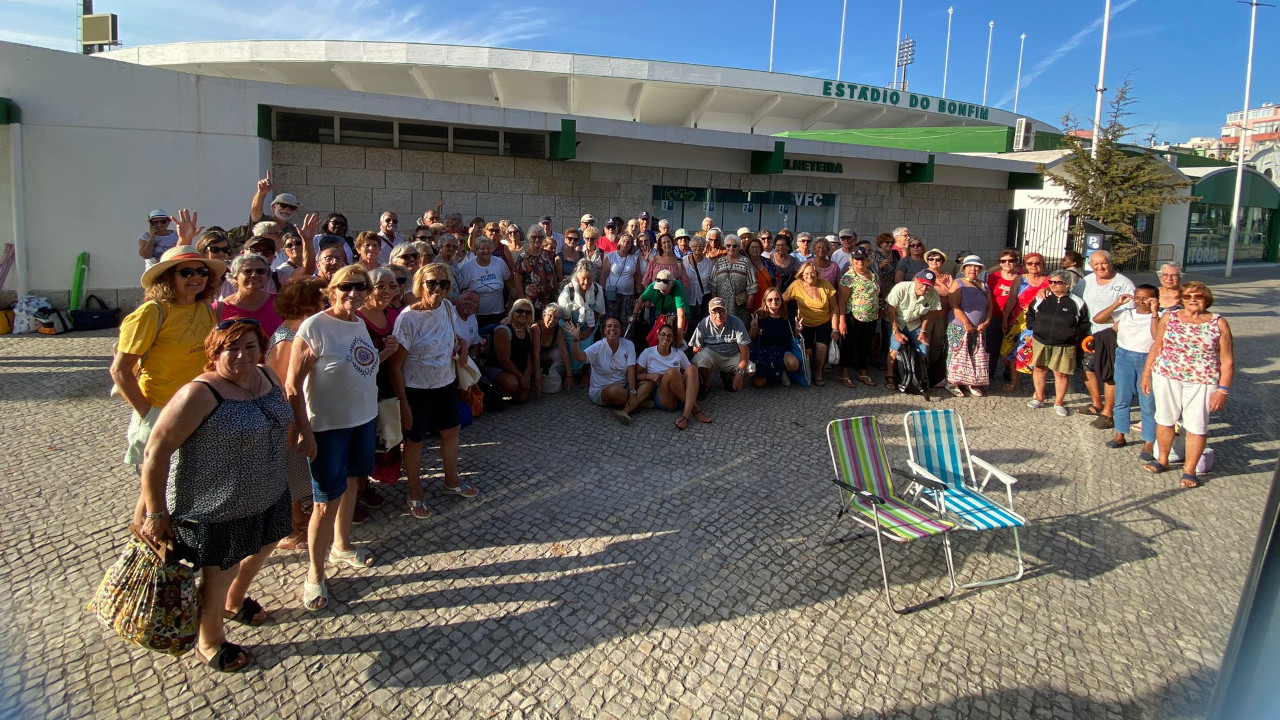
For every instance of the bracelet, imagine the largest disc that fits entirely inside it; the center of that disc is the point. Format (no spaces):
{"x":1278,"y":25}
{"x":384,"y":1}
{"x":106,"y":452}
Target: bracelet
{"x":1224,"y":389}
{"x":155,"y":516}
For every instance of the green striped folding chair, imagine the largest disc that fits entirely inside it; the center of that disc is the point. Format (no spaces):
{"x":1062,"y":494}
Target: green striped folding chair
{"x":939,"y":453}
{"x":867,"y":497}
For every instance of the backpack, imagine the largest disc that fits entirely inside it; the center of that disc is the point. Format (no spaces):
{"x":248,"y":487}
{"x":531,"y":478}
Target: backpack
{"x":912,"y":368}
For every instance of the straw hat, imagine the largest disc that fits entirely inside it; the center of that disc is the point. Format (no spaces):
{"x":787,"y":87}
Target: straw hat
{"x":178,"y":255}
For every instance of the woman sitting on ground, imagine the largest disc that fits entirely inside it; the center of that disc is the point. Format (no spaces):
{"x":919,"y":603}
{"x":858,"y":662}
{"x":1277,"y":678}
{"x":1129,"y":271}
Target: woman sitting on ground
{"x":516,"y":369}
{"x":250,"y":300}
{"x":582,"y":302}
{"x":553,"y":351}
{"x":773,"y":336}
{"x":225,"y":510}
{"x":675,"y":384}
{"x":298,"y":300}
{"x":613,"y":370}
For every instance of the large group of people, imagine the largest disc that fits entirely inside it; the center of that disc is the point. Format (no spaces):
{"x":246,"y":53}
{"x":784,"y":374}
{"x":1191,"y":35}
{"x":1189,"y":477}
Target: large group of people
{"x":320,"y":357}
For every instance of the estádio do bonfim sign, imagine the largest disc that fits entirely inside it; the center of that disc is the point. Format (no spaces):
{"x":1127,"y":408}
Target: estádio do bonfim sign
{"x":865,"y":93}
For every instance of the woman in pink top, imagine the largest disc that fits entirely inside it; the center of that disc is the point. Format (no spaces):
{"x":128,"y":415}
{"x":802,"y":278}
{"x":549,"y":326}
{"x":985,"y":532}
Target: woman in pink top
{"x":1189,"y":368}
{"x":250,"y":300}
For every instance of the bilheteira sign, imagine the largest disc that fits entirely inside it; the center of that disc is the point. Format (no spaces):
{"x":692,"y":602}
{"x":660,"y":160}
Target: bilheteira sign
{"x":885,"y":96}
{"x":813,"y":166}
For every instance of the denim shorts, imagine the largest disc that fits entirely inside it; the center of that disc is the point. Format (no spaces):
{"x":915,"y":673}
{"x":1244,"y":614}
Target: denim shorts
{"x":340,"y":454}
{"x":912,"y":336}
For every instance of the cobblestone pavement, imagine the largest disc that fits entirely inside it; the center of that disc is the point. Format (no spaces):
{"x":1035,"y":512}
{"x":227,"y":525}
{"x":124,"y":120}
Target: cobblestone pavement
{"x":645,"y":572}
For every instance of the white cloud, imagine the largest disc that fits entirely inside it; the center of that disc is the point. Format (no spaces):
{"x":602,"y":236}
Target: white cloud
{"x":1060,"y":51}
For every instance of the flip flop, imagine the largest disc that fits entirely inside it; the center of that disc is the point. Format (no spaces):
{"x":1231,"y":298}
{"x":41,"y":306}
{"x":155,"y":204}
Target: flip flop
{"x":1154,"y":467}
{"x":1189,"y":480}
{"x":250,"y":613}
{"x":866,"y":380}
{"x":466,"y":490}
{"x":419,"y":510}
{"x":682,"y":422}
{"x":227,"y":659}
{"x":890,"y":383}
{"x":702,"y":417}
{"x":847,"y":382}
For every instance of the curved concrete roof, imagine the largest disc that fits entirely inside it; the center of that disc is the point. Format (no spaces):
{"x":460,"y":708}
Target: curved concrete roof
{"x":646,"y":91}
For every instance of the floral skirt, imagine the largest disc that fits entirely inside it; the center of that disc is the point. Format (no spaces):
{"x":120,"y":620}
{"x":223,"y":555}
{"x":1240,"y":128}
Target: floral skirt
{"x":1016,"y":348}
{"x":968,"y":362}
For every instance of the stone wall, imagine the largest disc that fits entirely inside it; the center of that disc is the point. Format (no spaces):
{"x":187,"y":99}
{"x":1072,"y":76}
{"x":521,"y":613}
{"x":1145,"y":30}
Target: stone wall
{"x":362,"y":183}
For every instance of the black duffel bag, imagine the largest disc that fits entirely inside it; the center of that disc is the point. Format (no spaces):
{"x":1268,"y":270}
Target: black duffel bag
{"x":90,"y":319}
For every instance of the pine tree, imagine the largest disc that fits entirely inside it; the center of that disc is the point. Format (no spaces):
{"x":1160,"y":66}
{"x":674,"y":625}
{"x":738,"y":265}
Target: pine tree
{"x":1120,"y":184}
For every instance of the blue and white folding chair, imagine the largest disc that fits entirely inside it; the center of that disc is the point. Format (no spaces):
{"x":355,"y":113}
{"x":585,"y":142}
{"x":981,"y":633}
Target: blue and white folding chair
{"x":939,"y":451}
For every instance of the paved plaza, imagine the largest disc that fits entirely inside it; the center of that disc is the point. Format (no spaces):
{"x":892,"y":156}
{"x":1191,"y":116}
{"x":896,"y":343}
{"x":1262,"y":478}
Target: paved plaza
{"x":645,"y":572}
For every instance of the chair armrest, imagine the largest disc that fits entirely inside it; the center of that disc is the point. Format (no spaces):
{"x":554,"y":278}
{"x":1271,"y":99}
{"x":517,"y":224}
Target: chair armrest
{"x":999,"y":474}
{"x":924,"y":477}
{"x":870,"y":497}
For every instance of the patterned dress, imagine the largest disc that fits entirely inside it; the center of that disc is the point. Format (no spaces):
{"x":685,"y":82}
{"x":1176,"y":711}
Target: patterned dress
{"x":537,"y":274}
{"x":735,"y":283}
{"x":968,"y":361}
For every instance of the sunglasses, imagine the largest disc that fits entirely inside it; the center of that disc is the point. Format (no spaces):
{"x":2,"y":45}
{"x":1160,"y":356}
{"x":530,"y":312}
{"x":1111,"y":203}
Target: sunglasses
{"x":523,"y":312}
{"x":218,"y":249}
{"x":1056,"y":282}
{"x":228,"y":324}
{"x":915,"y":245}
{"x":1010,"y":261}
{"x":386,"y":286}
{"x":402,"y":281}
{"x":391,"y":222}
{"x":410,"y":256}
{"x":422,"y":238}
{"x":353,"y":287}
{"x":935,"y":258}
{"x":1193,"y":296}
{"x":251,"y":272}
{"x":291,"y":245}
{"x":434,"y":284}
{"x":286,"y":207}
{"x":1033,"y":263}
{"x":202,"y":271}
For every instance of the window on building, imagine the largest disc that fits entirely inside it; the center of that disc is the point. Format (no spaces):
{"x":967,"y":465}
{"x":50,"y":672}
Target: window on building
{"x":424,"y":137}
{"x":366,"y":133}
{"x":299,"y":127}
{"x":476,"y":141}
{"x":524,"y":145}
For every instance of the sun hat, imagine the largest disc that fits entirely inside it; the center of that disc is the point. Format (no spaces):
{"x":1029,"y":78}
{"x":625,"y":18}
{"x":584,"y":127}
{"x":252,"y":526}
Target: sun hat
{"x":681,"y":233}
{"x":176,"y":256}
{"x":745,"y":233}
{"x":935,"y":251}
{"x":858,"y":253}
{"x":587,"y":218}
{"x":973,"y":260}
{"x":157,"y":214}
{"x":847,"y":233}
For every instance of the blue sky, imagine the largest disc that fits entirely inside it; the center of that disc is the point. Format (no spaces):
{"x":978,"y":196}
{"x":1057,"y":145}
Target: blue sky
{"x":1185,"y":58}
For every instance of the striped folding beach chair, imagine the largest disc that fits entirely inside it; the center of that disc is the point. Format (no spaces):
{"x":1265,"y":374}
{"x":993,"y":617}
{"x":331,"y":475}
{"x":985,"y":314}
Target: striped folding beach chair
{"x":867,"y":496}
{"x":939,"y":452}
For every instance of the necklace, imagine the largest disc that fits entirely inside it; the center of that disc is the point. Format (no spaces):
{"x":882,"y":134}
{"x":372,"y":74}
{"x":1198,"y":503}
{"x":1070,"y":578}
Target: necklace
{"x":253,"y":391}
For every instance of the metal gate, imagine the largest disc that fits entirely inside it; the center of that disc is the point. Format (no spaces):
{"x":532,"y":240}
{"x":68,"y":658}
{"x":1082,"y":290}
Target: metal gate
{"x":1039,"y":230}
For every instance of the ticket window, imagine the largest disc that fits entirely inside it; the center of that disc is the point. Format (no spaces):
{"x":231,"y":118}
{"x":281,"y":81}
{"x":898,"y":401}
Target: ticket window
{"x":815,"y":219}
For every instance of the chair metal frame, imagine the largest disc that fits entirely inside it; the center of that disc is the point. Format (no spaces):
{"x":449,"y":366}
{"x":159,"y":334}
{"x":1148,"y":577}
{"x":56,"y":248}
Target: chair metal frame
{"x":879,"y":523}
{"x":926,"y":478}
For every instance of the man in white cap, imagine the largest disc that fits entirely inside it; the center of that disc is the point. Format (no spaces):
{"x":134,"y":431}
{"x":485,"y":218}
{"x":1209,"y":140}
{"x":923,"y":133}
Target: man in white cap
{"x":803,"y":251}
{"x":586,"y":221}
{"x":666,"y":296}
{"x":848,"y":240}
{"x":158,"y":238}
{"x":720,"y":342}
{"x":283,"y":206}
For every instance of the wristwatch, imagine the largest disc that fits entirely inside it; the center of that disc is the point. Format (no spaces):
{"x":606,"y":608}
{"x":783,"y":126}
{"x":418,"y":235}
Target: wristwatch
{"x":632,"y":391}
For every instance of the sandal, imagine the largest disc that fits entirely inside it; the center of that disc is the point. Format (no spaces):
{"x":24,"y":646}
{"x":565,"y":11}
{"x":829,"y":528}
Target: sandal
{"x":296,"y":540}
{"x":358,"y":558}
{"x":1114,"y":445}
{"x":250,"y":613}
{"x":419,"y":510}
{"x":819,"y":382}
{"x":466,"y":490}
{"x":1090,"y":410}
{"x":311,"y":592}
{"x":682,"y":422}
{"x":229,"y":658}
{"x":702,"y":417}
{"x":865,"y":379}
{"x":890,"y":383}
{"x":1154,"y":467}
{"x":845,"y":381}
{"x":1189,"y":480}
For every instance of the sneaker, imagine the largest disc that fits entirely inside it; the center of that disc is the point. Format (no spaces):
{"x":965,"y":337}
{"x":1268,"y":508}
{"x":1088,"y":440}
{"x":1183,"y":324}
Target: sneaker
{"x":623,"y":416}
{"x":786,"y":379}
{"x":1035,"y":404}
{"x":370,"y":498}
{"x":1102,"y":422}
{"x":1061,"y":410}
{"x":975,"y":391}
{"x":360,"y":516}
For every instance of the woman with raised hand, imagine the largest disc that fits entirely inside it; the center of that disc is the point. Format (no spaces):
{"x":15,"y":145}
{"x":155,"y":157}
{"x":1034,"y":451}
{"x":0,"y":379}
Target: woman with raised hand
{"x":426,"y":381}
{"x":675,"y":381}
{"x":332,"y":386}
{"x":224,"y":501}
{"x":613,"y":370}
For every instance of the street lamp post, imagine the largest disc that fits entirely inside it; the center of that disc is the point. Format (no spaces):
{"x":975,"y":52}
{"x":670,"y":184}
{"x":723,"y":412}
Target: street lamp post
{"x":991,"y":31}
{"x":946,"y":60}
{"x":1017,"y":88}
{"x":1102,"y":73}
{"x":1244,"y":129}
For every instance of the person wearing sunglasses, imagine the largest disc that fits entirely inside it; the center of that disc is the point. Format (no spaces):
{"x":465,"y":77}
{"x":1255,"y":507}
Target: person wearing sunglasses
{"x":1057,"y":321}
{"x":537,"y":270}
{"x":912,"y":263}
{"x":283,"y":206}
{"x":379,"y":318}
{"x":1002,"y":284}
{"x":858,"y":295}
{"x":734,"y":279}
{"x":158,"y":237}
{"x":332,"y":385}
{"x":1189,"y":369}
{"x":159,"y":349}
{"x":224,"y":501}
{"x":774,"y":349}
{"x":336,"y":224}
{"x":424,"y":378}
{"x":298,"y":300}
{"x":1015,"y":347}
{"x":666,"y":372}
{"x":407,"y":256}
{"x":300,"y":255}
{"x":251,"y":299}
{"x":515,"y":365}
{"x":388,"y":236}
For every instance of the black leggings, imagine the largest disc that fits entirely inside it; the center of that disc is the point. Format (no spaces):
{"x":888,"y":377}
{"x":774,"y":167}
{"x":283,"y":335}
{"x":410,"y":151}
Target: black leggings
{"x":855,"y":348}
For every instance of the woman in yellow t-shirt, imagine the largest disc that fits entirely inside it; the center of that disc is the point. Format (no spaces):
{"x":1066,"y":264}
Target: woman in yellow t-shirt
{"x":161,"y":345}
{"x":816,"y":309}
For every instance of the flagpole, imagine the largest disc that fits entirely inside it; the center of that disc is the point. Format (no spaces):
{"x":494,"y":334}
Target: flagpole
{"x":1244,"y":128}
{"x":946,"y":61}
{"x":773,"y":27}
{"x":1102,"y":74}
{"x":991,"y":31}
{"x":1018,"y":87}
{"x":839,"y":60}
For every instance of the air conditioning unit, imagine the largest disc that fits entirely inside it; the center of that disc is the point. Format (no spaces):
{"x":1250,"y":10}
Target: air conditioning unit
{"x":101,"y":29}
{"x":1024,"y":135}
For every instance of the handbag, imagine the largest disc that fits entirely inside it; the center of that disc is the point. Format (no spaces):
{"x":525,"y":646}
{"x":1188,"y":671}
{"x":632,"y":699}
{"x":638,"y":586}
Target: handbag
{"x":652,"y":337}
{"x":89,"y":319}
{"x":466,"y":370}
{"x":390,"y":434}
{"x":473,"y":397}
{"x":148,"y":598}
{"x":50,"y":321}
{"x":833,"y":354}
